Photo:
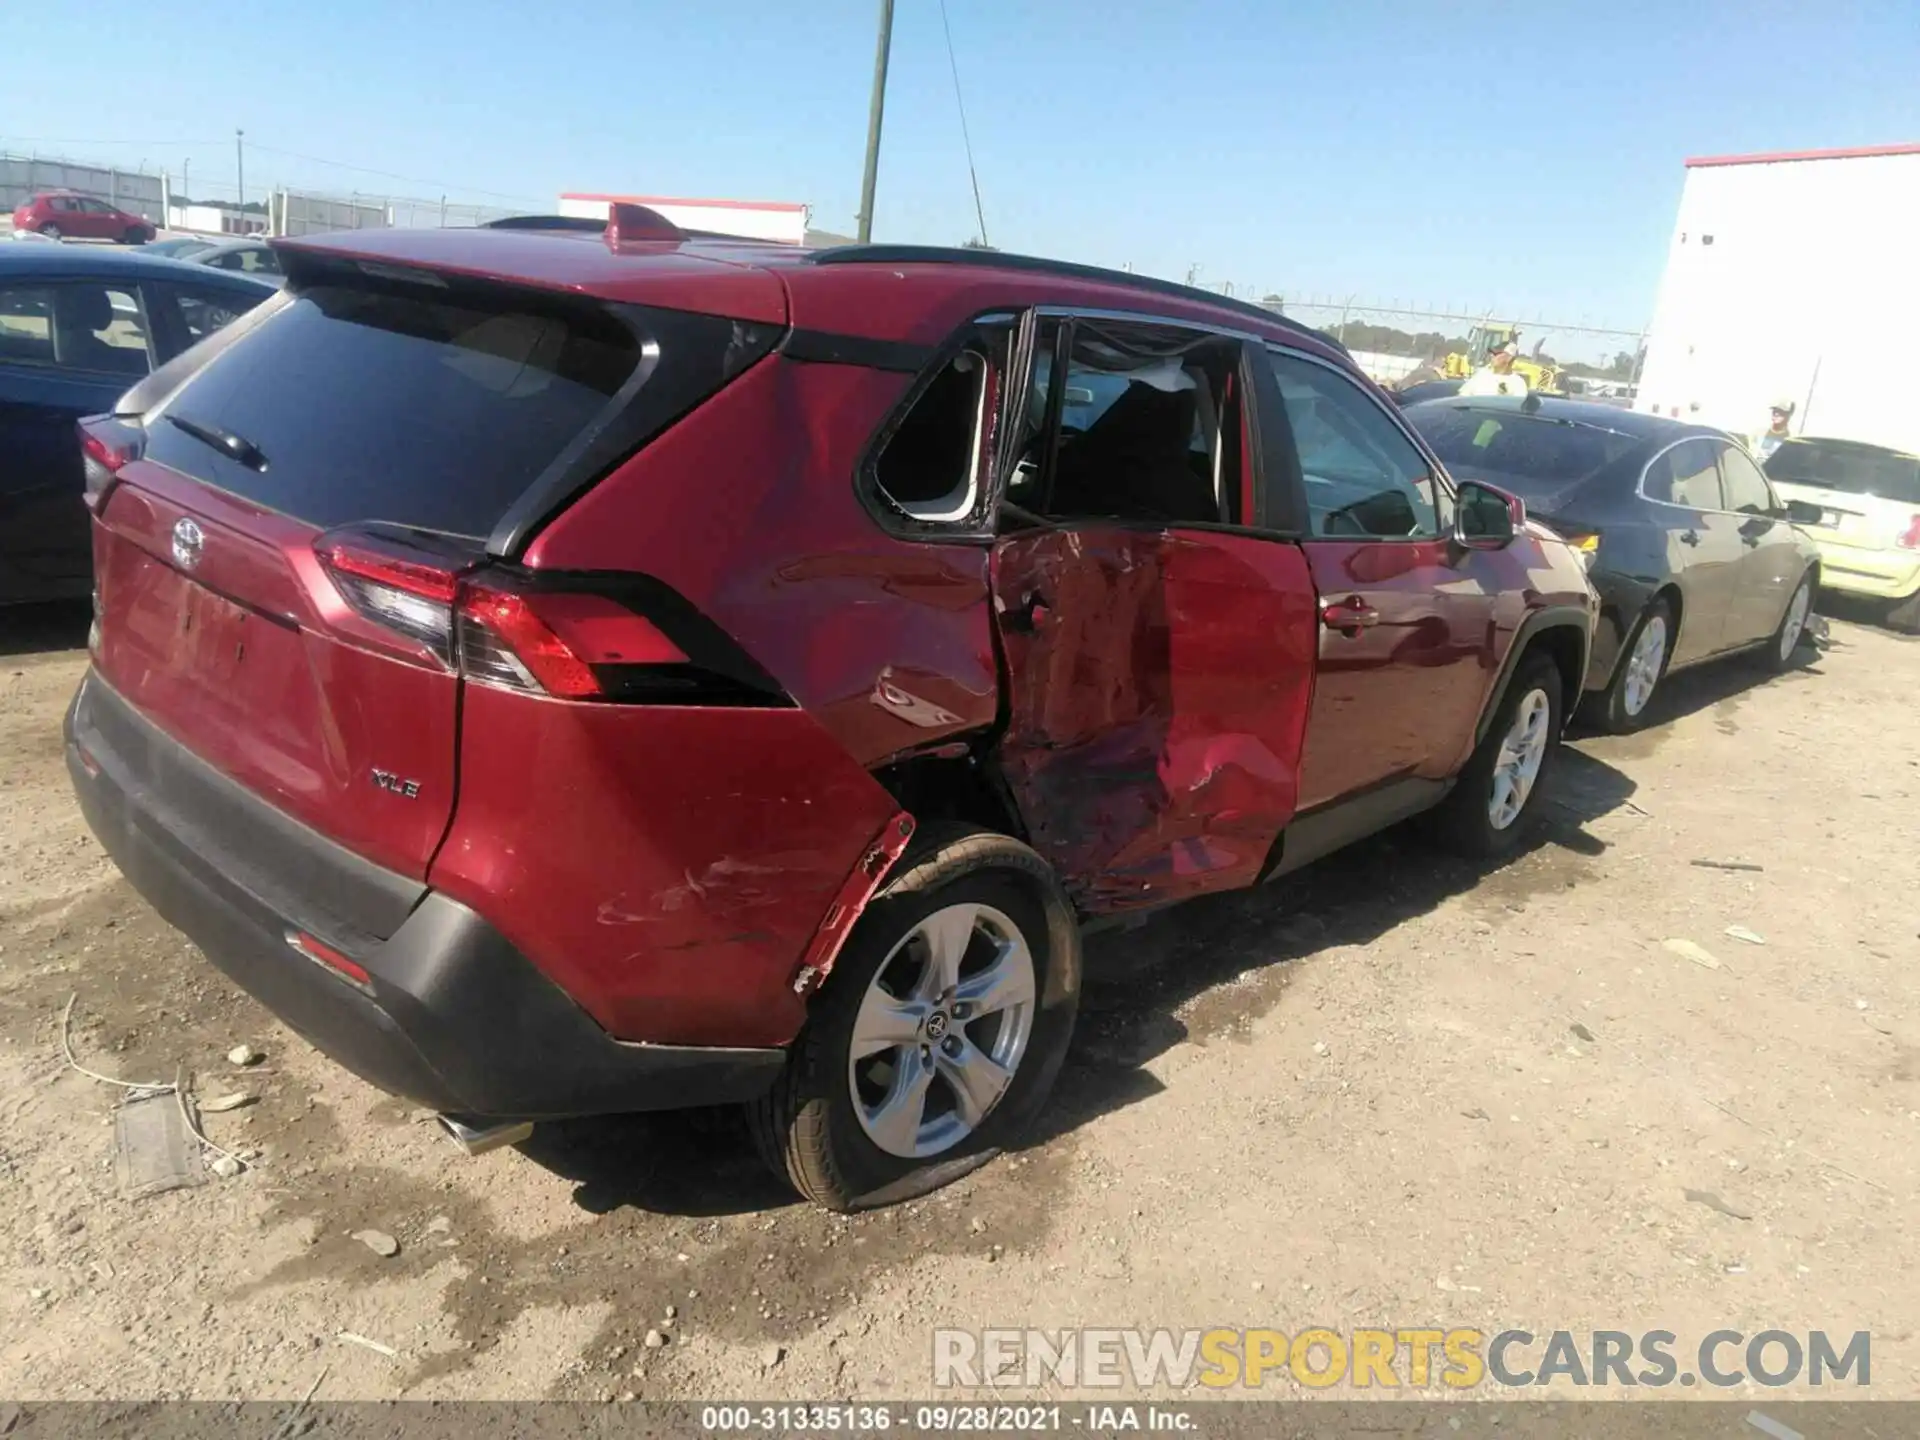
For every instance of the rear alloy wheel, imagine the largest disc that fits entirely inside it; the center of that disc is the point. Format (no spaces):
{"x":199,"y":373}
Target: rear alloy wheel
{"x":1496,"y":797}
{"x":52,"y":232}
{"x":1793,"y":626}
{"x":940,"y":1032}
{"x":1624,"y":704}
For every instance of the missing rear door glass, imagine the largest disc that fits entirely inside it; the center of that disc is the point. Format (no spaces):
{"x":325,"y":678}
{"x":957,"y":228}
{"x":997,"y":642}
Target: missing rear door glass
{"x":1145,"y":428}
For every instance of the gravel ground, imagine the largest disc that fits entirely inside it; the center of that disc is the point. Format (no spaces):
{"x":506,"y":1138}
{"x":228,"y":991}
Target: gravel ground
{"x":1393,"y":1090}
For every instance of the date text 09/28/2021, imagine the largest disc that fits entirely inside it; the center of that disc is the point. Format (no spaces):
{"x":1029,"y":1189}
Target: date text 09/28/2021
{"x":978,"y":1419}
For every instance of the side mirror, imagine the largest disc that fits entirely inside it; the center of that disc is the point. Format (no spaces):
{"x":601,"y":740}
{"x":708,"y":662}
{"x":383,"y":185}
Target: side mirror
{"x":1485,"y":517}
{"x":1802,"y":512}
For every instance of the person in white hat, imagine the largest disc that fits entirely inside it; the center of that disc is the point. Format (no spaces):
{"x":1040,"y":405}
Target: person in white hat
{"x":1497,"y":376}
{"x":1777,"y":431}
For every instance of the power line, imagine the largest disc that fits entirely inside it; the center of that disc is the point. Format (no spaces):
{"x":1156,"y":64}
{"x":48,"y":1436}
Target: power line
{"x":972,"y":174}
{"x":390,"y":175}
{"x":274,"y":150}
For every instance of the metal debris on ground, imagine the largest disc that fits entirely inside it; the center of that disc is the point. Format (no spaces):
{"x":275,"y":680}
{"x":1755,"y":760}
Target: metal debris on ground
{"x":1767,"y":1425}
{"x":1741,"y":932}
{"x":154,"y":1151}
{"x":1727,"y":865}
{"x":132,"y":1144}
{"x":1698,"y":954}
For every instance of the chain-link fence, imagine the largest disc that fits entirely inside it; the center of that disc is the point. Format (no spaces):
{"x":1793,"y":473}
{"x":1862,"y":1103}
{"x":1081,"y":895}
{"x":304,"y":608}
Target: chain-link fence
{"x":214,"y":203}
{"x":1392,"y":340}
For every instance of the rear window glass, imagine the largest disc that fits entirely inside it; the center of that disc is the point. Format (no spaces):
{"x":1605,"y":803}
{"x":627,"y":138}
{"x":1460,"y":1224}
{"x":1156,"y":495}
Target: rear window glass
{"x":1552,"y":452}
{"x":1854,"y":470}
{"x":429,"y":411}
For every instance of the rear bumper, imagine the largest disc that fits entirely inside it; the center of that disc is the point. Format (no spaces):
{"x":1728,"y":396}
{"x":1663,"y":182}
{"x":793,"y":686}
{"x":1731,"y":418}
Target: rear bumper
{"x":454,"y":1017}
{"x":1890,"y":574}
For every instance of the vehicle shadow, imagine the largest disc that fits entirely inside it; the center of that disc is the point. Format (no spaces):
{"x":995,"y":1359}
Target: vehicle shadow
{"x":44,"y":627}
{"x":1705,"y":686}
{"x":1217,"y":963}
{"x":1860,"y":610}
{"x":1183,"y":973}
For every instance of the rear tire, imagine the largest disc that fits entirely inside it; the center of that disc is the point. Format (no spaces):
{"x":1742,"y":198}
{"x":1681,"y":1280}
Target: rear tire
{"x":1627,"y":702}
{"x":1495,"y":801}
{"x":1785,"y":642}
{"x":52,"y":232}
{"x":1904,"y":615}
{"x":848,"y":1086}
{"x":135,"y":236}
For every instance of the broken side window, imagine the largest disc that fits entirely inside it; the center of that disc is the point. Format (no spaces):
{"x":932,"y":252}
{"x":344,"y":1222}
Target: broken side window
{"x":1136,"y":429}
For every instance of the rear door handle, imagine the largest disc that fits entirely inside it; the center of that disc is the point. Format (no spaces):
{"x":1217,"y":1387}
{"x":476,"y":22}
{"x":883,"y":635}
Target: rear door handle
{"x":1029,"y":615}
{"x":1689,"y":537}
{"x":1349,"y":616}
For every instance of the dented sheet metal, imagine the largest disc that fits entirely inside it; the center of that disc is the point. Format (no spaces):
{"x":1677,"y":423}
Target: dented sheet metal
{"x":1158,"y":688}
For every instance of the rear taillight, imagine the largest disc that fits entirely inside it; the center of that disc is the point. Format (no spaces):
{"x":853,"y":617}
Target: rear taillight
{"x":558,"y":642}
{"x":1911,"y":540}
{"x":528,"y":634}
{"x":411,"y":593}
{"x":1584,"y":543}
{"x":107,"y":446}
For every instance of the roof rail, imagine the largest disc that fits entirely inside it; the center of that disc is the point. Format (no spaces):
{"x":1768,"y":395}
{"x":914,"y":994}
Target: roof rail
{"x":582,"y":223}
{"x":1000,"y":260}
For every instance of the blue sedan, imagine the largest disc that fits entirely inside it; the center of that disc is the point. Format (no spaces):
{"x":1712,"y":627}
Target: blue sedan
{"x":78,"y":326}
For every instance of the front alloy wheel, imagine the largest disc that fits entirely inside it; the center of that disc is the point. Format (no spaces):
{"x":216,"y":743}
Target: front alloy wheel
{"x":1517,"y":765}
{"x":1494,"y":799}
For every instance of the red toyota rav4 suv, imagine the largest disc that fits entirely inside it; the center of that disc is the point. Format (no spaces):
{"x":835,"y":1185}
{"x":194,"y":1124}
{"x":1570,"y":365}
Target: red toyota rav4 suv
{"x":565,"y":673}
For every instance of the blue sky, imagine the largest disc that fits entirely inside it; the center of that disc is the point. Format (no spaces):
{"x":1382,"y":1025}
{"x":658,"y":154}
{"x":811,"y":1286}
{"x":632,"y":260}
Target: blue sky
{"x":1525,"y":157}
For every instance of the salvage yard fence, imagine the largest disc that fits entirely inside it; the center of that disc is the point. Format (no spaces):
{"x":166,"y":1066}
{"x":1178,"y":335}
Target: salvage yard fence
{"x":290,"y":211}
{"x":1414,"y":333}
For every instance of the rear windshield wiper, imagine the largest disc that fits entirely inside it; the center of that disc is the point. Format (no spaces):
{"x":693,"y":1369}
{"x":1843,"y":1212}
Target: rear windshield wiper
{"x":234,"y":447}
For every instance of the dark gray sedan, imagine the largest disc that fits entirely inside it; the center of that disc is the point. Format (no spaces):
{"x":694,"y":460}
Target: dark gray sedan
{"x":1693,"y":554}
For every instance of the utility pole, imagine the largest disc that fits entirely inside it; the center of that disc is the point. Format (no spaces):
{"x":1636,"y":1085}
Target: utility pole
{"x":874,"y":113}
{"x":186,"y":180}
{"x":240,"y":177}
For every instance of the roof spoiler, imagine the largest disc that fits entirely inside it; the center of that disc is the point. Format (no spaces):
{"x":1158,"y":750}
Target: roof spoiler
{"x":625,"y":223}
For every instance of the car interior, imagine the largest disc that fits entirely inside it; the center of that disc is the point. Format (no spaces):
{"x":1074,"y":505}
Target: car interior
{"x":1139,"y":430}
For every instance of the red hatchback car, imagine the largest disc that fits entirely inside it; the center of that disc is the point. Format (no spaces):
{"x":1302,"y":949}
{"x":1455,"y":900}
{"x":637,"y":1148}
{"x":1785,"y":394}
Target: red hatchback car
{"x":62,"y":214}
{"x":566,"y":673}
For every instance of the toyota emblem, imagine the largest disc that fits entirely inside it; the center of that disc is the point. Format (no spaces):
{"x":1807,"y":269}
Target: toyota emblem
{"x":188,"y":541}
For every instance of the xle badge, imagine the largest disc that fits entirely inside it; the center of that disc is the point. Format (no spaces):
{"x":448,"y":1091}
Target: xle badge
{"x":394,"y":785}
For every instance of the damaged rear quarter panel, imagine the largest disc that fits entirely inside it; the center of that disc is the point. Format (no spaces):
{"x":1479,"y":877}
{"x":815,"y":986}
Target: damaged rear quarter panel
{"x":668,"y":867}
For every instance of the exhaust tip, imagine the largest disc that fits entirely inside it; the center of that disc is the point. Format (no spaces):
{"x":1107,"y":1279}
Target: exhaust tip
{"x":477,"y":1137}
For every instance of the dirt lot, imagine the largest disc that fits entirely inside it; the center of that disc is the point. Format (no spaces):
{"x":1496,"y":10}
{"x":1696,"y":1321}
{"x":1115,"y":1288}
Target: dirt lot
{"x":1393,"y":1090}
